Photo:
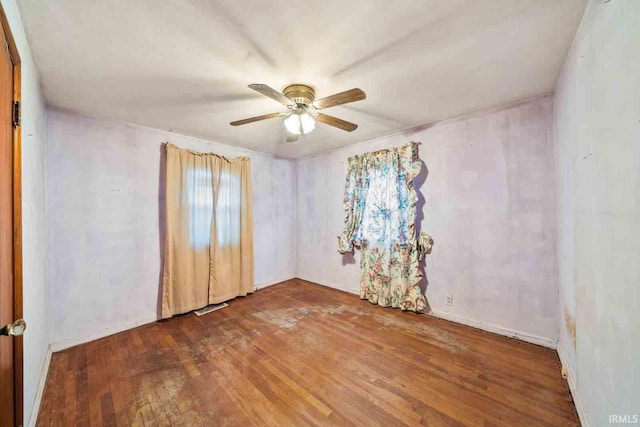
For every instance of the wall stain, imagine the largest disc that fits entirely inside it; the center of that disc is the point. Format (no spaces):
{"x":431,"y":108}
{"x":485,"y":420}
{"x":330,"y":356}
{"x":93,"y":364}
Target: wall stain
{"x":570,"y":324}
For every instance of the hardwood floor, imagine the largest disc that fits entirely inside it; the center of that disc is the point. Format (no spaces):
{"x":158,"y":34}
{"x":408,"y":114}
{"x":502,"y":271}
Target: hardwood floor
{"x":297,"y":353}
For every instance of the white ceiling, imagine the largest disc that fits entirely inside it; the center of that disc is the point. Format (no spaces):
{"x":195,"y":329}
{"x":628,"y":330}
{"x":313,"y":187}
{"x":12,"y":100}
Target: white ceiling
{"x":184,"y":65}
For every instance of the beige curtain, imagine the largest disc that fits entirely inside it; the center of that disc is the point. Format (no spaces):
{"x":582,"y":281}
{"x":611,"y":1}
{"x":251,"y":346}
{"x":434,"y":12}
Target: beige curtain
{"x":208,"y":250}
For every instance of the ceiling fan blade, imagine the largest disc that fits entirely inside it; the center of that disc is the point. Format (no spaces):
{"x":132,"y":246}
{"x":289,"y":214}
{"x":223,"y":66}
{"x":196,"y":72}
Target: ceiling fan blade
{"x":345,"y":97}
{"x":273,"y":94}
{"x":256,"y":119}
{"x":336,"y":122}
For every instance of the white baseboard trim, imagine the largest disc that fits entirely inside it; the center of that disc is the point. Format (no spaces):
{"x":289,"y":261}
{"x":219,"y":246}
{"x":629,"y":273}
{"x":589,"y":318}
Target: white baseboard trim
{"x":263,"y":285}
{"x":573,"y":387}
{"x":500,"y":330}
{"x":330,"y":285}
{"x":123,"y":326}
{"x":35,"y":409}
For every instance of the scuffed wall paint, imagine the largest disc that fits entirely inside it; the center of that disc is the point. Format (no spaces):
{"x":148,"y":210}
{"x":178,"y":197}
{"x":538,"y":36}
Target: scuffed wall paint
{"x":36,"y":338}
{"x":489,"y":203}
{"x":103,"y":183}
{"x":597,"y":121}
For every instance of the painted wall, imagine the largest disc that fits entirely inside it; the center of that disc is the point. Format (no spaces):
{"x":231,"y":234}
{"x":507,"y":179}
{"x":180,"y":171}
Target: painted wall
{"x":104,"y":245}
{"x":489,"y":203}
{"x":36,"y":338}
{"x":597,"y":120}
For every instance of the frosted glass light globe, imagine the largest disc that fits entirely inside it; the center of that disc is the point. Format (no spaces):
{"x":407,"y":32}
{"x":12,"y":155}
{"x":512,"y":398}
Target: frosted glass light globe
{"x":308,"y":123}
{"x":300,"y":123}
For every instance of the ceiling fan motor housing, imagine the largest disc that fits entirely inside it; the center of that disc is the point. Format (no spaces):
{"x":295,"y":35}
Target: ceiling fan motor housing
{"x":300,"y":94}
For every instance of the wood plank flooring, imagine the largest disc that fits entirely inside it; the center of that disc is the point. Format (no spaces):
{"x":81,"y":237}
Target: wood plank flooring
{"x":298,"y":353}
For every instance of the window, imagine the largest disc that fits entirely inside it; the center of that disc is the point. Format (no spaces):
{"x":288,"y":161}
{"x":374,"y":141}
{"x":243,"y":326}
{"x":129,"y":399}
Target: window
{"x":200,"y":194}
{"x":228,"y":210}
{"x":384,"y":218}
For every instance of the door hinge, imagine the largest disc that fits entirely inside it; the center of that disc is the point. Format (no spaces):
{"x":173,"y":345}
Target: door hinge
{"x":16,"y":114}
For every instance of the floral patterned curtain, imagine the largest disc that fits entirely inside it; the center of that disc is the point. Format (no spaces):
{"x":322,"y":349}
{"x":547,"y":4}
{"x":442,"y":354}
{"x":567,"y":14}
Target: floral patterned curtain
{"x":380,"y":211}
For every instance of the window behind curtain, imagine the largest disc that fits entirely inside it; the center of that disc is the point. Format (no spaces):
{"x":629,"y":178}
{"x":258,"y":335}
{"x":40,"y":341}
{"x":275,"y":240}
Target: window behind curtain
{"x":228,"y":210}
{"x":380,"y":209}
{"x":200,"y":194}
{"x":385,"y":212}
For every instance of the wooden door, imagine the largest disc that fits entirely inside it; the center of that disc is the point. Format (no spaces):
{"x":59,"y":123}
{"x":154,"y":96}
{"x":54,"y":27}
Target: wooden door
{"x":10,"y":231}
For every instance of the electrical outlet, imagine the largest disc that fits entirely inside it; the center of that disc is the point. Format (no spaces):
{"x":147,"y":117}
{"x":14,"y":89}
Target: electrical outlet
{"x":449,"y":301}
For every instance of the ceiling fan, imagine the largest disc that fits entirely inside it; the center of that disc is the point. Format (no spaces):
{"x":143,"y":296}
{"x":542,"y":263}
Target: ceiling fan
{"x":303,"y":109}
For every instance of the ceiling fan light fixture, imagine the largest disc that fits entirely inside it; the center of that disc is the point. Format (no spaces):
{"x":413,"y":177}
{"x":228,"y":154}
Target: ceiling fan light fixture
{"x":303,"y":108}
{"x":300,"y":123}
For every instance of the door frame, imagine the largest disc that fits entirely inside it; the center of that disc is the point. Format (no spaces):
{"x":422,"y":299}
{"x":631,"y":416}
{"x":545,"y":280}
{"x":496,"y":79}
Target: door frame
{"x":17,"y":219}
